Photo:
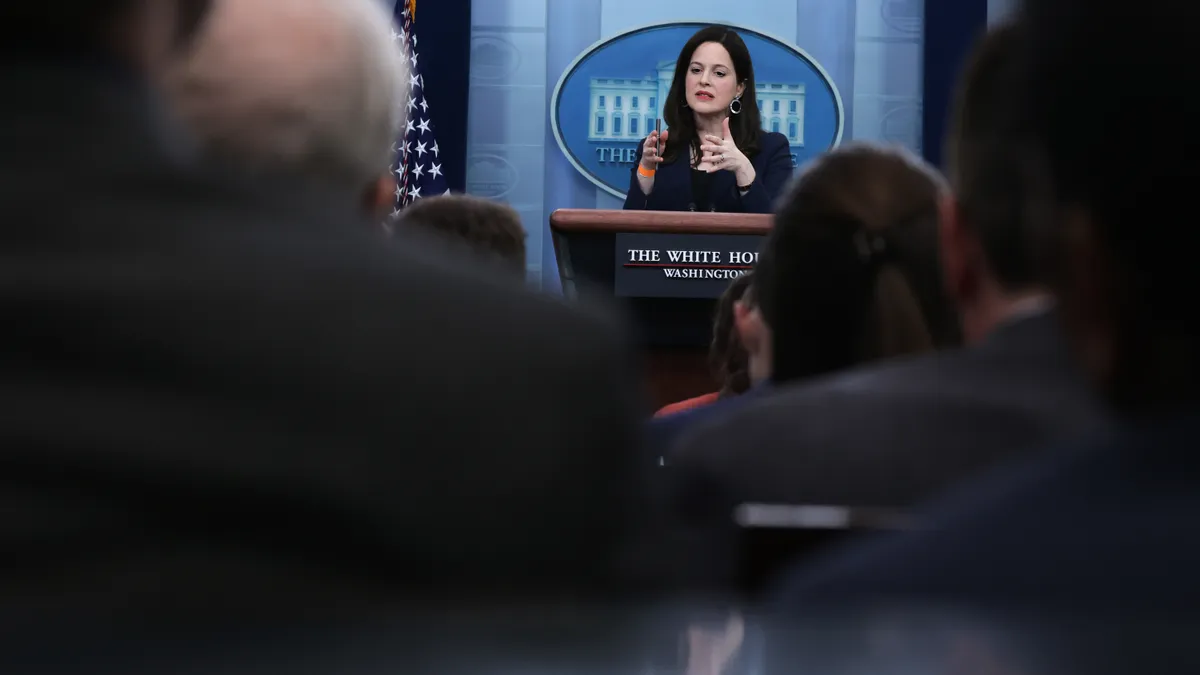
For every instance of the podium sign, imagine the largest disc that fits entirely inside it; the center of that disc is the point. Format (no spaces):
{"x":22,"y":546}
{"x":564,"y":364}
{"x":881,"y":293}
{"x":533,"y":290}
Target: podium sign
{"x":661,"y":265}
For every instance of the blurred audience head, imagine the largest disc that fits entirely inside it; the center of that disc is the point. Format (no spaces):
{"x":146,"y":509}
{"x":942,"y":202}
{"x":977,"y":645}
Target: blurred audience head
{"x":754,"y":334}
{"x":988,"y":234}
{"x":482,"y":226}
{"x":727,"y":357}
{"x":1123,"y":174}
{"x":144,"y":34}
{"x":311,"y":88}
{"x":849,"y":274}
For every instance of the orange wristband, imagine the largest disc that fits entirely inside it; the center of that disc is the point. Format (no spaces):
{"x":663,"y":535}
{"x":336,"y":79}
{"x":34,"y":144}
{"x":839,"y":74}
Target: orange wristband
{"x":643,"y":171}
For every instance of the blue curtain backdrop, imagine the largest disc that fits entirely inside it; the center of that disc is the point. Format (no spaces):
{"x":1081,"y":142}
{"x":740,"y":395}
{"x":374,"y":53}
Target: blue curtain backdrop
{"x":444,"y":32}
{"x":951,"y":28}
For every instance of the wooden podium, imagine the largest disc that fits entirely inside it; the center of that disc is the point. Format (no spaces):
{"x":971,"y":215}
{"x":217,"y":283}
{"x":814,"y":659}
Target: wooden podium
{"x":666,"y":269}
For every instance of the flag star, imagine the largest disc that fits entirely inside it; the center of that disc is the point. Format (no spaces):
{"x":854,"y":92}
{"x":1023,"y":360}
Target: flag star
{"x":434,"y":149}
{"x":399,"y":171}
{"x":408,"y":148}
{"x":414,"y":192}
{"x":424,"y":126}
{"x":396,"y":212}
{"x":435,"y":170}
{"x":399,"y":192}
{"x":424,"y":105}
{"x":404,"y":13}
{"x":414,"y":59}
{"x":395,"y":36}
{"x":419,"y":171}
{"x":421,"y":80}
{"x":414,"y":40}
{"x":413,"y":81}
{"x":408,"y":127}
{"x":421,"y":150}
{"x":411,"y":105}
{"x":447,"y":191}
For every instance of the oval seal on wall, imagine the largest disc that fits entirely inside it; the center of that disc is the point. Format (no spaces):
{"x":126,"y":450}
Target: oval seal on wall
{"x":608,"y":99}
{"x":490,"y":175}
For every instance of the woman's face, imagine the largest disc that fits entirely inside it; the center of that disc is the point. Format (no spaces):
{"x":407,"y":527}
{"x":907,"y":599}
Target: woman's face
{"x":711,"y":82}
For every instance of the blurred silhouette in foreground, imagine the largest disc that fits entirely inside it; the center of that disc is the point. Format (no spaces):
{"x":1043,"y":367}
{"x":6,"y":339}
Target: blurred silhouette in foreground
{"x":229,"y":399}
{"x":1103,"y":528}
{"x":308,"y":88}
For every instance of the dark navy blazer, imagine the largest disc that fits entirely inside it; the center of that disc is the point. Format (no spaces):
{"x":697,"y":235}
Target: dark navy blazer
{"x":673,"y":182}
{"x":1107,"y":524}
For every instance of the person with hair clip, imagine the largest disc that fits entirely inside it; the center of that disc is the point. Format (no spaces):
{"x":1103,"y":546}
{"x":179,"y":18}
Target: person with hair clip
{"x":715,"y":155}
{"x":848,"y":277}
{"x":850,"y":273}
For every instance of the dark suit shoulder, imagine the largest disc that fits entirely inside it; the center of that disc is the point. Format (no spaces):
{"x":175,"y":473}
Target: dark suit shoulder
{"x":1090,"y":525}
{"x":1028,"y":352}
{"x":1026,"y":355}
{"x":892,"y":433}
{"x":787,"y":405}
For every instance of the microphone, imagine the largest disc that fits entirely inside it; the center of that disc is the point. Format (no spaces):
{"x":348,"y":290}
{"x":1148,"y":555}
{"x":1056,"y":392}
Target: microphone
{"x":701,"y":180}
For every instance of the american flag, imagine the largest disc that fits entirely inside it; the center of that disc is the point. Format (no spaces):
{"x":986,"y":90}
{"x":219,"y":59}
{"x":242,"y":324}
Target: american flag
{"x":418,"y":166}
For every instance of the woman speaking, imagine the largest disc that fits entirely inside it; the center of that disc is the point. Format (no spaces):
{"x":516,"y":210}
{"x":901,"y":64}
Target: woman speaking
{"x":715,"y":155}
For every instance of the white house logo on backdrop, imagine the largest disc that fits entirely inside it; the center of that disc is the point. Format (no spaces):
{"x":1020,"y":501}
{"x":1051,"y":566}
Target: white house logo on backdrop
{"x":609,"y":98}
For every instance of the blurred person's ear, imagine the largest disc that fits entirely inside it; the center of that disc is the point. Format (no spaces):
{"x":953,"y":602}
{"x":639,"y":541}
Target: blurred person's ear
{"x":750,"y":327}
{"x":379,"y":196}
{"x":961,"y":254}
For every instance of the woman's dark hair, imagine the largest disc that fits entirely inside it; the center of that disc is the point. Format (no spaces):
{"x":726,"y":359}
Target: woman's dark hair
{"x":745,"y":126}
{"x":850,"y":272}
{"x":727,"y":356}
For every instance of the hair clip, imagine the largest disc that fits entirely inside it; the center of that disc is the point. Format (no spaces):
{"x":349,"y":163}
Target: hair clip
{"x":870,"y":246}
